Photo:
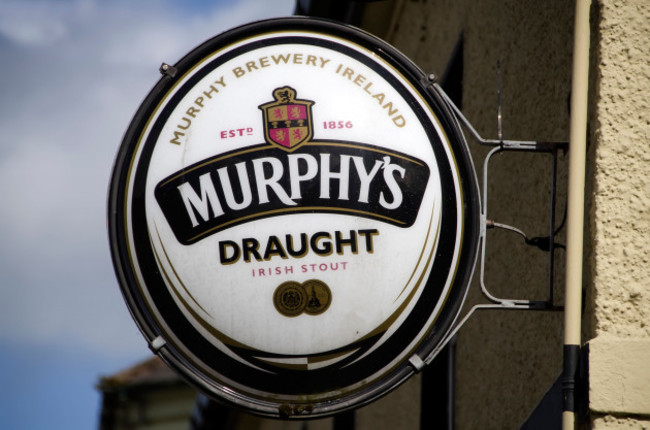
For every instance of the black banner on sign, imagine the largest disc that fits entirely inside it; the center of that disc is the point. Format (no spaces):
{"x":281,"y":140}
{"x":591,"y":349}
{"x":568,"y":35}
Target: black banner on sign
{"x":321,"y":177}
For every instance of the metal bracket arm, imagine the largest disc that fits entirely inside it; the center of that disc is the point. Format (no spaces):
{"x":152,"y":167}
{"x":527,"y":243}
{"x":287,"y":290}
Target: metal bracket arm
{"x":501,"y":145}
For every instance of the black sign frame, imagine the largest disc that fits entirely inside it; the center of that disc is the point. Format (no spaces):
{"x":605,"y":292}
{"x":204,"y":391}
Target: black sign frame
{"x":293,"y":393}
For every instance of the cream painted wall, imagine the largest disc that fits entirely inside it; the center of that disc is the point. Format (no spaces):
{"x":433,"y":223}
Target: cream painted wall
{"x":621,"y":157}
{"x":620,"y":217}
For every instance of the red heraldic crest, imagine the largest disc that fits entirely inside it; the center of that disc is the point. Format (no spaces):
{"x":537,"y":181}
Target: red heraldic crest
{"x":287,"y":120}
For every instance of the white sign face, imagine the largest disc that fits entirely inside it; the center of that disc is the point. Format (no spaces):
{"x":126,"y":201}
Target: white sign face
{"x":289,"y":218}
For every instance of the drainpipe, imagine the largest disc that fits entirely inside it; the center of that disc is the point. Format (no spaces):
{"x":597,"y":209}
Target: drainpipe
{"x":575,"y":211}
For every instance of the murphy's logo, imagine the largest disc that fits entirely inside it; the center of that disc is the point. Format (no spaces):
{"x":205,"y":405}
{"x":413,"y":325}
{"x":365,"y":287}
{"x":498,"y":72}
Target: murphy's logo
{"x":292,"y":174}
{"x":287,"y":121}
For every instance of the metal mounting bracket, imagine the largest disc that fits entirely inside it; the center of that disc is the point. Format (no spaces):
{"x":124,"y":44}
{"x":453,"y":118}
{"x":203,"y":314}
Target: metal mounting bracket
{"x":501,"y":145}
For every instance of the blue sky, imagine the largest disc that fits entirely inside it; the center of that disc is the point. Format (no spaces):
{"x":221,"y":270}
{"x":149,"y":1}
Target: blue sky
{"x":72,"y":74}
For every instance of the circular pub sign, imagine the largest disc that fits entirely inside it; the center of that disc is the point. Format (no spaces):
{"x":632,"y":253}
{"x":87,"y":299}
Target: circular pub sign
{"x":293,"y":218}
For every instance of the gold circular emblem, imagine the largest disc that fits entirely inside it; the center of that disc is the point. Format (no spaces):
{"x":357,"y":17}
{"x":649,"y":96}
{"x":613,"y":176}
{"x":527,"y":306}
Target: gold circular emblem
{"x":319,"y":296}
{"x":290,"y":299}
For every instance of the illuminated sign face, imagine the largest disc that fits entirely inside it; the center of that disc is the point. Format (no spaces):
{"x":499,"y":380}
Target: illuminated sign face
{"x":293,"y":218}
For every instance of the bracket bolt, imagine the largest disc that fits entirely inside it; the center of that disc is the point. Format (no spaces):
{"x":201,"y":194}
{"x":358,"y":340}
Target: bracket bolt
{"x":168,"y":70}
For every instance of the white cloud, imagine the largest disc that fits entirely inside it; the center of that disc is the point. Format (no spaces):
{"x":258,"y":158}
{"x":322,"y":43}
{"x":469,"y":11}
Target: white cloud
{"x":74,"y":72}
{"x":40,"y":22}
